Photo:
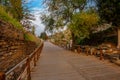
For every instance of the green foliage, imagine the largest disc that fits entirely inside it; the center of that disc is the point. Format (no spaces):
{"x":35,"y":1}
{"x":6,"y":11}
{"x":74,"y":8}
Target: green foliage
{"x":61,"y":12}
{"x":33,"y":30}
{"x":16,"y":8}
{"x":48,"y":21}
{"x":30,"y":37}
{"x":100,"y":37}
{"x":109,"y":10}
{"x":82,"y":23}
{"x":8,"y":18}
{"x":74,"y":14}
{"x":43,"y":36}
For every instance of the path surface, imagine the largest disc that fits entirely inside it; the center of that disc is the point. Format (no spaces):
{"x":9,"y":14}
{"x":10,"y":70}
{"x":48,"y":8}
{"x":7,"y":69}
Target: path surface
{"x":58,"y":64}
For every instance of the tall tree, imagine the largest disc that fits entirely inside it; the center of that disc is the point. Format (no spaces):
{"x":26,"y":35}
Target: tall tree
{"x":14,"y":7}
{"x":17,"y":9}
{"x":4,"y":2}
{"x":61,"y":12}
{"x":27,"y":16}
{"x":109,"y":11}
{"x":82,"y":23}
{"x":43,"y":35}
{"x":64,"y":13}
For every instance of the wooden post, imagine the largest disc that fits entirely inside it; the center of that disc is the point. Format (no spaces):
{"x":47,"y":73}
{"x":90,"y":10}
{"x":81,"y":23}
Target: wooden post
{"x":101,"y":54}
{"x":78,"y":49}
{"x":87,"y":50}
{"x":2,"y":76}
{"x":34,"y":59}
{"x":38,"y":53}
{"x":118,"y":37}
{"x":28,"y":69}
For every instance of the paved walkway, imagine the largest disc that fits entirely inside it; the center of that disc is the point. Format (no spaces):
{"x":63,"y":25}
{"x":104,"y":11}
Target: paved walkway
{"x":58,"y":64}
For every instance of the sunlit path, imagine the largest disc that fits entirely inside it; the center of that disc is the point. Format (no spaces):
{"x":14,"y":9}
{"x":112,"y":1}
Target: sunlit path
{"x":58,"y":64}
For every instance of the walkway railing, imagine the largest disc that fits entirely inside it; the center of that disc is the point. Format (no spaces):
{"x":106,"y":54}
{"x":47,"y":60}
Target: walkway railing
{"x":22,"y":71}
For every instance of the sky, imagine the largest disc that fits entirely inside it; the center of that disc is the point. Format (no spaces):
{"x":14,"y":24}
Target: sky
{"x":36,"y":7}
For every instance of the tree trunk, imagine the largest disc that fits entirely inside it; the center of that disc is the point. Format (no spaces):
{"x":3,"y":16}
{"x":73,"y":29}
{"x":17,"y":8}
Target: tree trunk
{"x":0,"y":1}
{"x":73,"y":40}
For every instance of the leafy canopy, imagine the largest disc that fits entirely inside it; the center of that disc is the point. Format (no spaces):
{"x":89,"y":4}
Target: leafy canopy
{"x":109,"y":10}
{"x":82,"y":23}
{"x":61,"y":11}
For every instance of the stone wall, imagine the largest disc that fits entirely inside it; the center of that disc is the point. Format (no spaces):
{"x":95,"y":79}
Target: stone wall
{"x":13,"y":47}
{"x":9,"y":31}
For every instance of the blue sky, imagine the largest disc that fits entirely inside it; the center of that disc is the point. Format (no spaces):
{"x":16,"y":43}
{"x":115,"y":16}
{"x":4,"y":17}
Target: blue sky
{"x":35,"y":3}
{"x":36,"y":7}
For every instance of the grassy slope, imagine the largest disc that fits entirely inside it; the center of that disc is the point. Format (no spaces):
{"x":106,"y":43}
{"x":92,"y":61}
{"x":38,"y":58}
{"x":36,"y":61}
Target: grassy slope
{"x":8,"y":18}
{"x":31,"y":37}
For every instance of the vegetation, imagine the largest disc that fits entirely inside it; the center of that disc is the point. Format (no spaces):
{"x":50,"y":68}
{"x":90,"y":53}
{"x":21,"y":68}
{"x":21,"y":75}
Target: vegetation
{"x":109,"y":11}
{"x":19,"y":10}
{"x":100,"y":37}
{"x":43,"y":36}
{"x":14,"y":8}
{"x":30,"y":37}
{"x":82,"y":23}
{"x":61,"y":12}
{"x":8,"y":18}
{"x":71,"y":13}
{"x":79,"y":16}
{"x":5,"y":16}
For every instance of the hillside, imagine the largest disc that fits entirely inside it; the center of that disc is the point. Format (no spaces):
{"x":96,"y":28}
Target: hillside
{"x":8,"y":20}
{"x":15,"y":43}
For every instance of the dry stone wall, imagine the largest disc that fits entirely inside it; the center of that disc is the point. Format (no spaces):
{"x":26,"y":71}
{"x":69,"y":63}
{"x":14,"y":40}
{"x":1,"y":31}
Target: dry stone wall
{"x":9,"y":31}
{"x":13,"y":47}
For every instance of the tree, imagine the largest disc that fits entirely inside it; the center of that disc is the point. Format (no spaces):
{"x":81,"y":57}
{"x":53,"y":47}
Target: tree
{"x":33,"y":30}
{"x":17,"y":9}
{"x":82,"y":23}
{"x":70,"y":13}
{"x":13,"y":7}
{"x":43,"y":35}
{"x":61,"y":12}
{"x":109,"y":11}
{"x":4,"y":2}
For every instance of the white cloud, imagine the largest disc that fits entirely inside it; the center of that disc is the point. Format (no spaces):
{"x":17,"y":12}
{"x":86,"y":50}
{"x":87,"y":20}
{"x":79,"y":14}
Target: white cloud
{"x":36,"y":10}
{"x":37,"y":22}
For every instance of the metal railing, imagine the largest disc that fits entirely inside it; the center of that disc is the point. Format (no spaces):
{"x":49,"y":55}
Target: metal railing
{"x":22,"y":71}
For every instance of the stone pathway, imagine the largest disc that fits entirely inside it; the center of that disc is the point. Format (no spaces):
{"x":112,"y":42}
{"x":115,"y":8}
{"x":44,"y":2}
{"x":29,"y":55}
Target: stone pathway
{"x":58,"y":64}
